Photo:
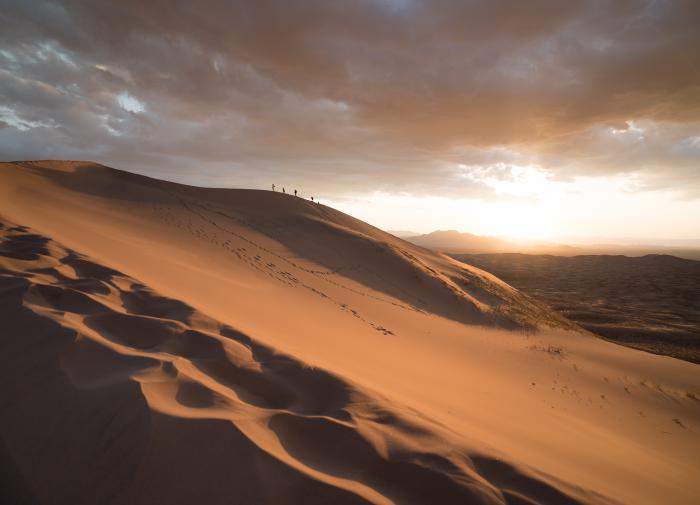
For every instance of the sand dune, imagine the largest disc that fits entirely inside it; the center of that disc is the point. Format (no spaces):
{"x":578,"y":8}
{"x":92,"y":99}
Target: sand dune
{"x":170,"y":344}
{"x":261,"y":425}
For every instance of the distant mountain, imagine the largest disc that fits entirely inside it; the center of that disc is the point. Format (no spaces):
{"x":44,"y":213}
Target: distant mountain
{"x":456,"y":241}
{"x":452,"y":241}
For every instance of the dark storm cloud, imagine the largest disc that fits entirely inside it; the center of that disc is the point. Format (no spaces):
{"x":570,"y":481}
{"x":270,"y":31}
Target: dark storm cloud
{"x":375,"y":93}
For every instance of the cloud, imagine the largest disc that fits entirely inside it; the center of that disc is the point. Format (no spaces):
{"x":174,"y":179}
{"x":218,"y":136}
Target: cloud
{"x":350,"y":96}
{"x":130,"y":103}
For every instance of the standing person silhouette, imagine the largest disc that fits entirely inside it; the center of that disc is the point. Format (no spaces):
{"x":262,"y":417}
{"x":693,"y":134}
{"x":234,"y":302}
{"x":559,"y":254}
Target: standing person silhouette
{"x":283,"y":190}
{"x":295,"y":192}
{"x":312,"y":198}
{"x":273,"y":187}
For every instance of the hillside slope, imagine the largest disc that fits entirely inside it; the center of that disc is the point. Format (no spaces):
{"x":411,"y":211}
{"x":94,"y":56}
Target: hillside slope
{"x":143,"y":388}
{"x":230,"y":344}
{"x":336,"y":244}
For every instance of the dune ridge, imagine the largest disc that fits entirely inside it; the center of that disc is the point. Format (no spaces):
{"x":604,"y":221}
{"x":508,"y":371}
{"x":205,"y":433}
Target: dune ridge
{"x":419,"y":279}
{"x":186,"y":345}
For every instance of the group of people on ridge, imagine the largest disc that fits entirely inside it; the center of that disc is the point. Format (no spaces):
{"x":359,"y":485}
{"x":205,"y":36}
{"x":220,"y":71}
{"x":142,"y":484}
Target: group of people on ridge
{"x":295,"y":192}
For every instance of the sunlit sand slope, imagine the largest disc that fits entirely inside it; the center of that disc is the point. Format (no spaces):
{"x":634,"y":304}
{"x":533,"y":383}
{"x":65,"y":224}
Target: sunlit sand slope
{"x":129,"y":396}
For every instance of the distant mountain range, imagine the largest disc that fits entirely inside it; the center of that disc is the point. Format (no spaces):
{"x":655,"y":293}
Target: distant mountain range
{"x":453,"y":241}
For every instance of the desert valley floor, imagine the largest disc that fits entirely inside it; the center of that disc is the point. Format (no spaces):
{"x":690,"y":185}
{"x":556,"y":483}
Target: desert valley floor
{"x":162,"y":343}
{"x":649,"y":302}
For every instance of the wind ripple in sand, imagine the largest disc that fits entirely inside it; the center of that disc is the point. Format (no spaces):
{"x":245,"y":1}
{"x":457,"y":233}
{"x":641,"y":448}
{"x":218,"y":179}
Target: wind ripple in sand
{"x":116,"y":394}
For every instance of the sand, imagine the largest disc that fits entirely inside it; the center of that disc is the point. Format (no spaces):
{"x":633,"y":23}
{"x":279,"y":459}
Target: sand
{"x":170,"y":344}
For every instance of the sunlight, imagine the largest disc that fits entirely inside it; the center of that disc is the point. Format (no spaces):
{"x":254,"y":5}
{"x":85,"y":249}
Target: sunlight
{"x":544,"y":211}
{"x":516,"y":222}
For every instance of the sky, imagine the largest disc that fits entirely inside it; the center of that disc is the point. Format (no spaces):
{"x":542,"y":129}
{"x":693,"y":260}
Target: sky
{"x":576,"y":120}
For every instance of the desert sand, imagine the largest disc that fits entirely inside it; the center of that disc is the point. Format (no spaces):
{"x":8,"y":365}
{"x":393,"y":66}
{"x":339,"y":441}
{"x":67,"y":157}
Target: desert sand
{"x":162,"y":343}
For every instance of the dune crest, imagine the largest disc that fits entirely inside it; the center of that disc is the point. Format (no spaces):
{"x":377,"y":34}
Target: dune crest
{"x":402,"y":274}
{"x":175,"y":344}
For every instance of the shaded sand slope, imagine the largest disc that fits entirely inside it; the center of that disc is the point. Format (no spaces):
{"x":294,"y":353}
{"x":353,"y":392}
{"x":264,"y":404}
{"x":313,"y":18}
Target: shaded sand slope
{"x":440,"y":382}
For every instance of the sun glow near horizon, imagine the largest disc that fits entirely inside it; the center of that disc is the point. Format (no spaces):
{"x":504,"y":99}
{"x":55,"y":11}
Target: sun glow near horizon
{"x":532,"y":207}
